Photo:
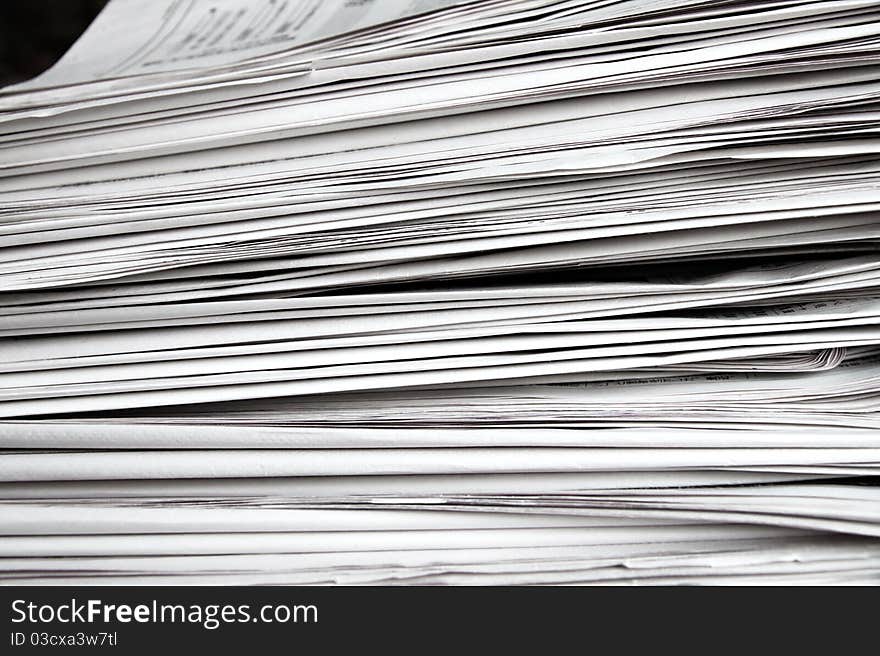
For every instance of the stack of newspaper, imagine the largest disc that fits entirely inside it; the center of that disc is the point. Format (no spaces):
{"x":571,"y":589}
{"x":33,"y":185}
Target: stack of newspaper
{"x":445,"y":291}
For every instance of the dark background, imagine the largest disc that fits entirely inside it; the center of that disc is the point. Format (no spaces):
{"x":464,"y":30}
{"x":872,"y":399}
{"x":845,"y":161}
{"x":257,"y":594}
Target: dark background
{"x":35,"y":33}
